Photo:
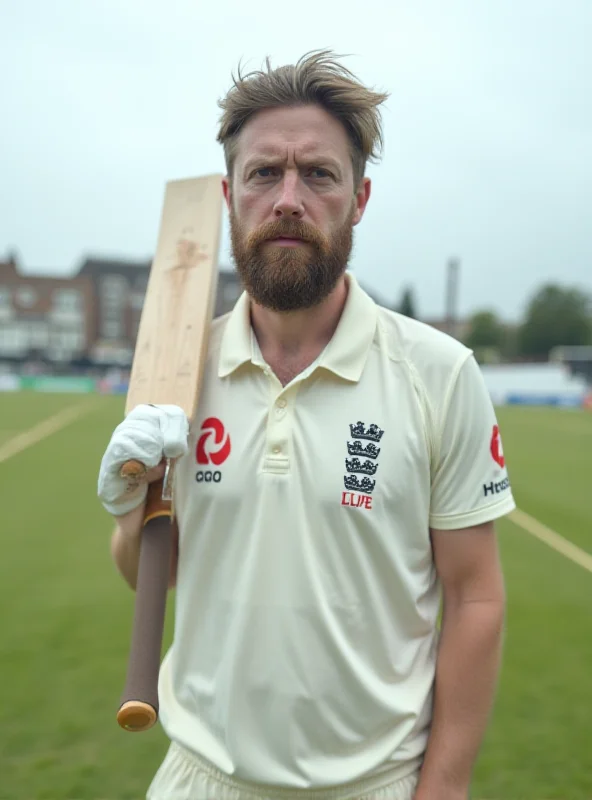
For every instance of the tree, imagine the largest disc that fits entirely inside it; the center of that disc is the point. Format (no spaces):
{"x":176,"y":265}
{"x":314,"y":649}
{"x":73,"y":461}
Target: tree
{"x":486,"y":336}
{"x":555,"y":316}
{"x":407,"y":305}
{"x":485,"y":330}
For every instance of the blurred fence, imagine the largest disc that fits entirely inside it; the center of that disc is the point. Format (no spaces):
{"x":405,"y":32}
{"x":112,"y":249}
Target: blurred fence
{"x":66,"y":384}
{"x":546,"y":384}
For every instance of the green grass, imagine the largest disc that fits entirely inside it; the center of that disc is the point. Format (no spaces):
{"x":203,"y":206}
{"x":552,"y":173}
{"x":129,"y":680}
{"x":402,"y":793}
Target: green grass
{"x":66,"y":618}
{"x":549,"y":455}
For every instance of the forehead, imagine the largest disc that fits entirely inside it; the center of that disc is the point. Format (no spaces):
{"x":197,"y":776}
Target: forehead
{"x":307,"y":130}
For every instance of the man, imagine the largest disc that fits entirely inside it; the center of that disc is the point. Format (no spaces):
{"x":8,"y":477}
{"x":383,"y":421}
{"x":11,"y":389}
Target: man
{"x":343,"y":472}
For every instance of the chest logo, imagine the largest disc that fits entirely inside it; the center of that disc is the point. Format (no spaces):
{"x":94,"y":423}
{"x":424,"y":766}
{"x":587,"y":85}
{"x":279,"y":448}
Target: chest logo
{"x":213,"y":448}
{"x":362,"y":465}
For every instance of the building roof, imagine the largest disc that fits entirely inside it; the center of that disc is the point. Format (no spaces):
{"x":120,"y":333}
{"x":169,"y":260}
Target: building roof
{"x":94,"y":264}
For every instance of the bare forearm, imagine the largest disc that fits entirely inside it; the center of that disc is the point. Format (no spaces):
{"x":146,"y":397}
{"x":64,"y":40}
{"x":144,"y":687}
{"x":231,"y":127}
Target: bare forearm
{"x":466,"y":677}
{"x":125,"y":547}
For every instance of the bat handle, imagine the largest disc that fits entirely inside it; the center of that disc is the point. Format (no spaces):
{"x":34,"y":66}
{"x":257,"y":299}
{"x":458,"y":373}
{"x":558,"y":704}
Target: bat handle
{"x":138,"y":710}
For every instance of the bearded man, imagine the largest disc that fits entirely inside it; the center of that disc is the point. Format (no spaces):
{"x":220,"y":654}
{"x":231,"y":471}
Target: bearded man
{"x":357,"y":476}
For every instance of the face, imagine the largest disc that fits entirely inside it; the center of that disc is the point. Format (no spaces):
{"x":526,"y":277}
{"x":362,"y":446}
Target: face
{"x":292,"y":205}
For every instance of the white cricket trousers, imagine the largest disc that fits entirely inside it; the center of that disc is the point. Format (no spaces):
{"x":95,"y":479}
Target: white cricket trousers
{"x":185,"y":776}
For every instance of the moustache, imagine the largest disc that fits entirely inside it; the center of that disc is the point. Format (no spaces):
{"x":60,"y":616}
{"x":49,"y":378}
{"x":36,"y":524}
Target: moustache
{"x":289,"y":228}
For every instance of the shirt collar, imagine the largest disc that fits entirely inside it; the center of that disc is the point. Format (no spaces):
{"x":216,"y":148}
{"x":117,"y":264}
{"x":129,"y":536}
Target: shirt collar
{"x":345,"y":355}
{"x":236,"y":347}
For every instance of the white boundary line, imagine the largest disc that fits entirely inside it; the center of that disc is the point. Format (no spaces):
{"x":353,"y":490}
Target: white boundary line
{"x":554,"y":540}
{"x":43,"y":429}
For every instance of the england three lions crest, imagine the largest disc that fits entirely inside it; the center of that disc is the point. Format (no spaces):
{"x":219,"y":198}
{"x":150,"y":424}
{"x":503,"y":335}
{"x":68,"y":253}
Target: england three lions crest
{"x":362,"y":464}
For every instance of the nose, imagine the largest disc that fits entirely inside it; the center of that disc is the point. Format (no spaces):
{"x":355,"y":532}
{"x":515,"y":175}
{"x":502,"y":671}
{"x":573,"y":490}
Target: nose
{"x":289,"y":202}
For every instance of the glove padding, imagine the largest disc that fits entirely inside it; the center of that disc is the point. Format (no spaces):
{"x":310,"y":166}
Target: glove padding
{"x":148,"y":433}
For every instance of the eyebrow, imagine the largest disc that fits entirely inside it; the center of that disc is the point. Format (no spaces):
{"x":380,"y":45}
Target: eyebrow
{"x":271,"y":158}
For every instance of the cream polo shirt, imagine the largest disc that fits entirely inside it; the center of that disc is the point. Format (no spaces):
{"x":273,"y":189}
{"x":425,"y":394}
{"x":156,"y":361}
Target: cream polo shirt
{"x":307,"y":601}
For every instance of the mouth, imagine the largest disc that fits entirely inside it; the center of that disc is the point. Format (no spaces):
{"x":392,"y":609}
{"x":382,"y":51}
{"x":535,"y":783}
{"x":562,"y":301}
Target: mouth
{"x":287,"y":241}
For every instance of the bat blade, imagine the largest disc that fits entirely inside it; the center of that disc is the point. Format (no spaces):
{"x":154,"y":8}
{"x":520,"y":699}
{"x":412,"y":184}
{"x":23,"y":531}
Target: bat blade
{"x":172,"y":340}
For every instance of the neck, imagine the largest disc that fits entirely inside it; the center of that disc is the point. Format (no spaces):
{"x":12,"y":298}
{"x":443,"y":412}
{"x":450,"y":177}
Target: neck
{"x":296,"y":332}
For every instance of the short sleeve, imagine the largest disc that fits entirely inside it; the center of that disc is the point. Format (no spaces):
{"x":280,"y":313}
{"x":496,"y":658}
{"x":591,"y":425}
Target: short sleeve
{"x":470,"y":483}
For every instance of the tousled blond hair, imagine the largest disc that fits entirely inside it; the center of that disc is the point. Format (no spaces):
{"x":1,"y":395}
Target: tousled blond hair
{"x":316,"y":79}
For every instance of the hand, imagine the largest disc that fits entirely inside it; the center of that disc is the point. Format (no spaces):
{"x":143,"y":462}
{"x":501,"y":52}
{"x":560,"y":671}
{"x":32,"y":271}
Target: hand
{"x":147,"y":434}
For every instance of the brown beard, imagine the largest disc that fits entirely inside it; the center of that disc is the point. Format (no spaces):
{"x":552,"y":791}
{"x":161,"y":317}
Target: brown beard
{"x":290,"y":278}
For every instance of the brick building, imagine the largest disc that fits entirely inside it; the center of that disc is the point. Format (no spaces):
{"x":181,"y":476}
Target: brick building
{"x":43,"y":318}
{"x":88,"y":319}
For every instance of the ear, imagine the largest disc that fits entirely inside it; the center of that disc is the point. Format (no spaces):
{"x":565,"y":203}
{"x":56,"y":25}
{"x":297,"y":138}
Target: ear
{"x":227,"y":192}
{"x":361,"y":199}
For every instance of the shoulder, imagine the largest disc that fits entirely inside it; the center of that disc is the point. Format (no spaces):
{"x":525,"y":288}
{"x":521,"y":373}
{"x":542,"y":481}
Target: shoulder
{"x":442,"y":370}
{"x":434,"y":357}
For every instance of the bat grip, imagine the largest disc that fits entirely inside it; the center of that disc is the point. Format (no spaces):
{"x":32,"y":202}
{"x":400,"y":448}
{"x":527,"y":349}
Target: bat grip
{"x":139,"y":703}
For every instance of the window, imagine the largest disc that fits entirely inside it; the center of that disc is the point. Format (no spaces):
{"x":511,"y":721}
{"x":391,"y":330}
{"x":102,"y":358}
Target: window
{"x":113,"y":289}
{"x":73,"y":340}
{"x":6,"y":310}
{"x":67,"y":300}
{"x":67,"y":341}
{"x":13,"y":339}
{"x":112,"y":329}
{"x":114,"y":299}
{"x":26,"y":296}
{"x":38,"y":335}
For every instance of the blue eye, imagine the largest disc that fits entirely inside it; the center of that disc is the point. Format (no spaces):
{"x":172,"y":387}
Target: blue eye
{"x":320,"y":172}
{"x":267,"y":170}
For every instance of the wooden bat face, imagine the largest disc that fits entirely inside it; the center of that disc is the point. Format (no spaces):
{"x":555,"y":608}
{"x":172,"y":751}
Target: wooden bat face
{"x":173,"y":335}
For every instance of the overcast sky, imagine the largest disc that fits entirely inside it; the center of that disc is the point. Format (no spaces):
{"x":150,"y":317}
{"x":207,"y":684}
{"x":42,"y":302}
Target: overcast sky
{"x":488,"y":130}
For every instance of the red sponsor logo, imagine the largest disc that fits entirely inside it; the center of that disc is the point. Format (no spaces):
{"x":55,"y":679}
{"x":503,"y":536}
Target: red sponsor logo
{"x":213,"y":446}
{"x":356,"y":500}
{"x":497,"y":452}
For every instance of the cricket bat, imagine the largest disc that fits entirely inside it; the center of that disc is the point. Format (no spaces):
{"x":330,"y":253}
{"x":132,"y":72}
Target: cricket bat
{"x":168,"y":364}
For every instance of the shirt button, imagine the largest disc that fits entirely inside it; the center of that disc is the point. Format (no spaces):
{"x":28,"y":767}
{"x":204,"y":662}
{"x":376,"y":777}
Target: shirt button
{"x":282,"y":402}
{"x":277,"y":450}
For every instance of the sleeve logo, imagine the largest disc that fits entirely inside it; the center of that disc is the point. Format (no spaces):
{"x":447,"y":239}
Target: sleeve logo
{"x":497,"y":453}
{"x":495,"y":446}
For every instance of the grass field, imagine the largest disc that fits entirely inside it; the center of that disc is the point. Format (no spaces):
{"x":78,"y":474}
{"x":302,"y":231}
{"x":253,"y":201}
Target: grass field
{"x":65,"y":617}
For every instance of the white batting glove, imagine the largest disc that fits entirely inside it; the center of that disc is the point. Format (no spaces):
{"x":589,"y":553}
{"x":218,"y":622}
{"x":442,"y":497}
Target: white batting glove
{"x":147,"y":434}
